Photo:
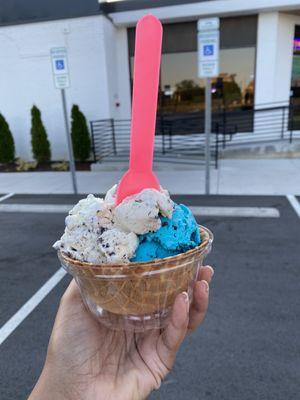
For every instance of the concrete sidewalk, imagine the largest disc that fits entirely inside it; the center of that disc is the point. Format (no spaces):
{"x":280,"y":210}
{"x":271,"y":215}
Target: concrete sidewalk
{"x":262,"y":177}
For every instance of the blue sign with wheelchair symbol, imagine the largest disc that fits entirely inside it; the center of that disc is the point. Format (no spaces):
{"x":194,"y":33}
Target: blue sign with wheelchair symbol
{"x":208,"y":50}
{"x":60,"y":65}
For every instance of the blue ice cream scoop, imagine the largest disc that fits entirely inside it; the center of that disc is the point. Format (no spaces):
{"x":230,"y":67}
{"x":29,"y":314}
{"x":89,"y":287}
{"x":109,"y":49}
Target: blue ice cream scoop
{"x":176,"y":235}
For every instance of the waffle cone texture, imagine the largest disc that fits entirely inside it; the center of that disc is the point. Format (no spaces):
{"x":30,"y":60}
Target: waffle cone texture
{"x":138,"y":288}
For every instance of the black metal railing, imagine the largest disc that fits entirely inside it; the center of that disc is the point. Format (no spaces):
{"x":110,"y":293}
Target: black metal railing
{"x":111,"y":140}
{"x":180,"y":138}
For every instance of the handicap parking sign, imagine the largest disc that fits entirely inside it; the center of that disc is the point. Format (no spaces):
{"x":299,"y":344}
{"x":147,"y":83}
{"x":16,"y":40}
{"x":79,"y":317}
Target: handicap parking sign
{"x":60,"y":64}
{"x":60,"y":68}
{"x":208,"y":47}
{"x":208,"y":50}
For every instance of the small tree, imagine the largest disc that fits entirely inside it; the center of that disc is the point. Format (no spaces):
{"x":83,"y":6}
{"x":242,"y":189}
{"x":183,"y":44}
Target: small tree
{"x":80,"y":135}
{"x":7,"y":146}
{"x":40,"y":145}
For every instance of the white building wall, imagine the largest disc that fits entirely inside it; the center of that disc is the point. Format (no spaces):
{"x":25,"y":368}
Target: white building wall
{"x":109,"y":36}
{"x":274,"y":71}
{"x":117,"y":70}
{"x":274,"y":57}
{"x":99,"y":72}
{"x":26,"y":76}
{"x":123,"y":75}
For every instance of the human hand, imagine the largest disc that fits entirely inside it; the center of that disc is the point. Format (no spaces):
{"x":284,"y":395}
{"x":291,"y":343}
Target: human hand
{"x":88,"y":361}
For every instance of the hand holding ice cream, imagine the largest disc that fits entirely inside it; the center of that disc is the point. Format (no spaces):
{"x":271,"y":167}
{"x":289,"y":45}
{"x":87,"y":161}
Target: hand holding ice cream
{"x":131,"y":260}
{"x":111,"y":370}
{"x":136,"y":257}
{"x":133,"y":252}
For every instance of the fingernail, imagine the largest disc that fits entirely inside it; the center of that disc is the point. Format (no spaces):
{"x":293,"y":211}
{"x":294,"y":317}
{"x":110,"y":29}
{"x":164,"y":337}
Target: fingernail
{"x":212,"y":270}
{"x":185,"y":297}
{"x":187,"y":301}
{"x":204,"y":285}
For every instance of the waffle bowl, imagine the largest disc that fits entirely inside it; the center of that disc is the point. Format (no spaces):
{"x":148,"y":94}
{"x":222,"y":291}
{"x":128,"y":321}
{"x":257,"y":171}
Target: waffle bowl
{"x":137,"y":296}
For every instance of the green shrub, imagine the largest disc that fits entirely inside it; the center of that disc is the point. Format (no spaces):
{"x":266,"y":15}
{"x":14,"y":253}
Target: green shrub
{"x":40,"y":145}
{"x":80,"y":135}
{"x":7,"y":146}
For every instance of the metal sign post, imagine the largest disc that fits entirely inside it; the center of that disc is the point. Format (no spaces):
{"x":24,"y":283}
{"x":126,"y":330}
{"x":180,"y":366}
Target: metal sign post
{"x":207,"y":134}
{"x":69,"y":139}
{"x":62,"y":81}
{"x":208,"y":67}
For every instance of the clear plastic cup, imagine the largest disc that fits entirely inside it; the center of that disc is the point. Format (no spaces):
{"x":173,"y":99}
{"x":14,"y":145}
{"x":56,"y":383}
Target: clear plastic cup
{"x":138,"y":296}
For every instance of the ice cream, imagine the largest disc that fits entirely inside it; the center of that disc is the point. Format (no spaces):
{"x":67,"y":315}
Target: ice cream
{"x":143,"y":227}
{"x":91,"y":234}
{"x":176,"y":235}
{"x":141,"y":213}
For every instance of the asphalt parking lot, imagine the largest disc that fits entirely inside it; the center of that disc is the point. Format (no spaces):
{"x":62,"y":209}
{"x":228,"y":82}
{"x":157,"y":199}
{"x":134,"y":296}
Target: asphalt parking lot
{"x":247,"y":348}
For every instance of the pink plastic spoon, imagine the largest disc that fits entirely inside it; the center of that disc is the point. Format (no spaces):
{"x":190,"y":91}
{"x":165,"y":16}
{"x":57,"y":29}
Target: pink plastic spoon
{"x":144,"y":105}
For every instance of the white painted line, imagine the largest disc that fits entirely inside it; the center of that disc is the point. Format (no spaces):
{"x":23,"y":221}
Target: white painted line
{"x":7,"y":196}
{"x":245,"y":212}
{"x":8,"y":328}
{"x":36,"y":208}
{"x":294,"y":203}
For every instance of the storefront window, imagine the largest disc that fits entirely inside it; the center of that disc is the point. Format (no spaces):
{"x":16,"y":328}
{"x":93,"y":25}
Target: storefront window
{"x":295,"y":85}
{"x":181,"y":91}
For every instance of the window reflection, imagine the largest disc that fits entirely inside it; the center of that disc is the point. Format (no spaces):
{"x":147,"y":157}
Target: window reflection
{"x":181,"y":91}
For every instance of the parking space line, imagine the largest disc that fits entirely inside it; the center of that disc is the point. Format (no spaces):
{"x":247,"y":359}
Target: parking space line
{"x":7,"y":196}
{"x":36,"y":208}
{"x":294,"y":203}
{"x":8,"y":328}
{"x":244,"y":212}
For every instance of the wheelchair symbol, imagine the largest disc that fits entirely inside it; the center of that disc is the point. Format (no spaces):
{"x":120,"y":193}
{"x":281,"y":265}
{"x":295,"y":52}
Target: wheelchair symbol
{"x":208,"y":50}
{"x":59,"y":65}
